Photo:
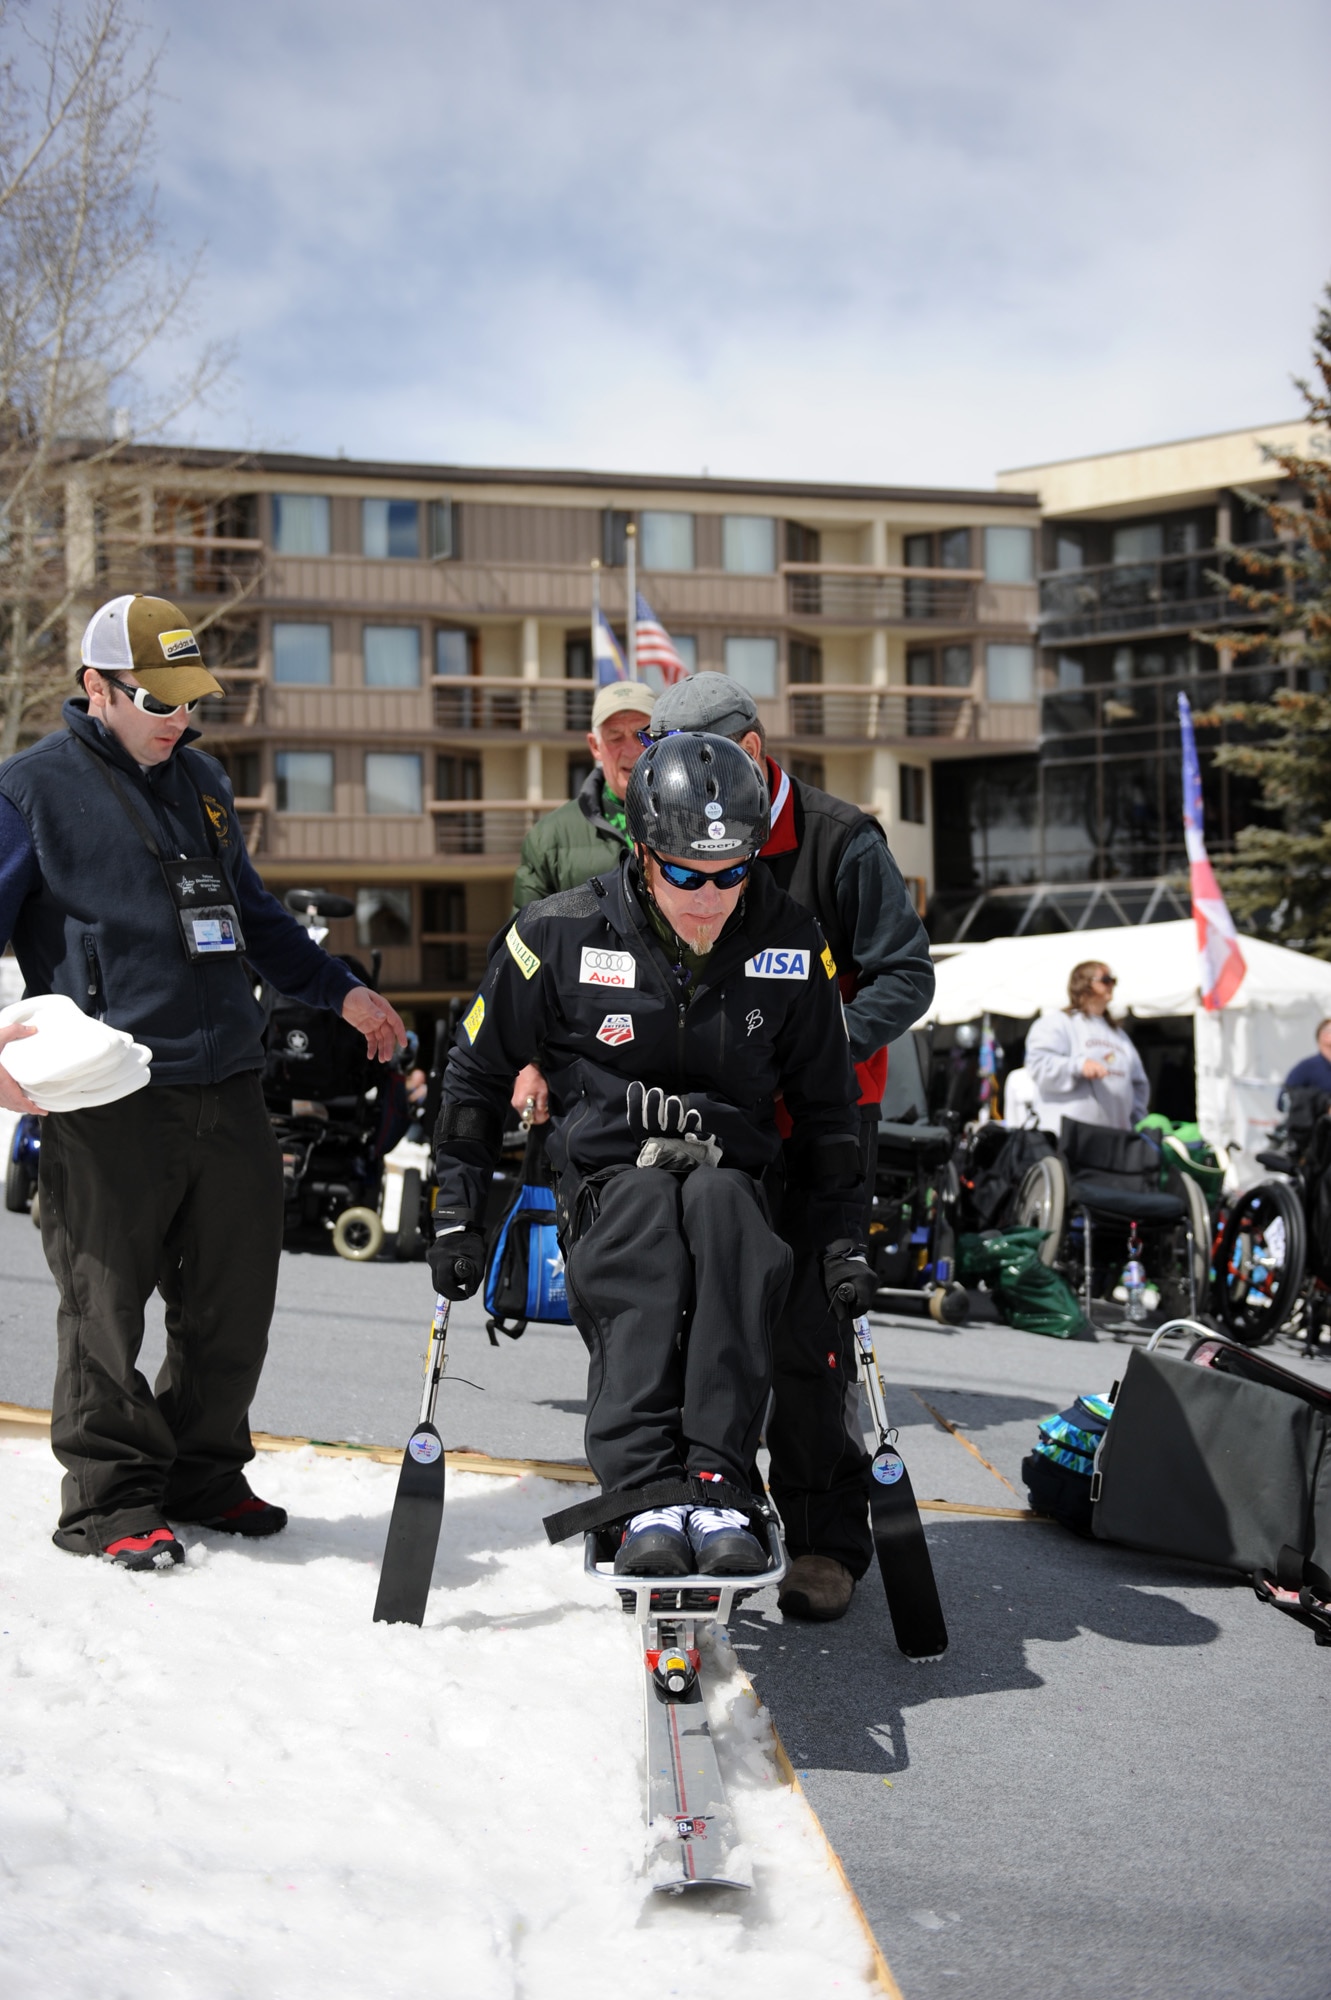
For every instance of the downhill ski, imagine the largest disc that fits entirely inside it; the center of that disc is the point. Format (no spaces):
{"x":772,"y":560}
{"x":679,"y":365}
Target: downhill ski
{"x":418,"y":1508}
{"x":691,"y":1828}
{"x":898,"y":1532}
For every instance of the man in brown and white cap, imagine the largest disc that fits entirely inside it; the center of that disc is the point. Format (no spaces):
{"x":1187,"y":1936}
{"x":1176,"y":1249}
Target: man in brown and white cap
{"x":125,"y":885}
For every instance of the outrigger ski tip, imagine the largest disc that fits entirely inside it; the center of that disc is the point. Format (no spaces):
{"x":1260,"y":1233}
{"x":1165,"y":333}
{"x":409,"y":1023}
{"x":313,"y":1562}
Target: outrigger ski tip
{"x":692,"y":1838}
{"x":418,"y":1506}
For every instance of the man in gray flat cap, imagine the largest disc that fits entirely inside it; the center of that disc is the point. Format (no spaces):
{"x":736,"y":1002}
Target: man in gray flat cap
{"x":835,"y":861}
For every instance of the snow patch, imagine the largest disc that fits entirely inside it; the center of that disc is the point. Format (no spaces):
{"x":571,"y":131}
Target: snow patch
{"x":228,"y":1783}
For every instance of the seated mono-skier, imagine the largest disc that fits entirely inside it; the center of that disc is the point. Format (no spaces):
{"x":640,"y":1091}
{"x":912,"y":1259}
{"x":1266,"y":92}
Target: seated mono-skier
{"x":667,"y":1003}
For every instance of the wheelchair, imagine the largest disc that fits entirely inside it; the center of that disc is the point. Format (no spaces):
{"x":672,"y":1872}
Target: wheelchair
{"x":1272,"y":1261}
{"x":1093,"y":1191}
{"x":912,"y":1225}
{"x":21,"y":1167}
{"x":335,"y":1114}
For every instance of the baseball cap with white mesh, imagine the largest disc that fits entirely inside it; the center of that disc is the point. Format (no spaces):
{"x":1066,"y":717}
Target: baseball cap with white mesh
{"x":150,"y":638}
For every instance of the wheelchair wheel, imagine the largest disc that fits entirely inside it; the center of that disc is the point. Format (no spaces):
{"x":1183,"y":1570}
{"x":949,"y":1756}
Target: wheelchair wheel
{"x":1042,"y":1203}
{"x":408,"y":1244}
{"x":358,"y":1235}
{"x":1260,"y":1265}
{"x":17,"y":1190}
{"x":1199,"y":1215}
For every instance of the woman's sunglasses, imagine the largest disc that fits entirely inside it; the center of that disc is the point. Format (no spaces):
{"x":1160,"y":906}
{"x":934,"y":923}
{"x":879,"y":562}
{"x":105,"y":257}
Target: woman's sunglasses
{"x":149,"y":702}
{"x":697,"y":878}
{"x":1105,"y":979}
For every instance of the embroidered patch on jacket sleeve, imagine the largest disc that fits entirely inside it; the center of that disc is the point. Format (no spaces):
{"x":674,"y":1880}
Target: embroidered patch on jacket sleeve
{"x":472,"y":1023}
{"x":528,"y":963}
{"x":829,"y":963}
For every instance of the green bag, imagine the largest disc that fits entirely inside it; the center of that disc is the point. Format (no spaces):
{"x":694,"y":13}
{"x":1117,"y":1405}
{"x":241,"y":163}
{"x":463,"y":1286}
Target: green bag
{"x":1028,"y":1294}
{"x":1190,"y":1153}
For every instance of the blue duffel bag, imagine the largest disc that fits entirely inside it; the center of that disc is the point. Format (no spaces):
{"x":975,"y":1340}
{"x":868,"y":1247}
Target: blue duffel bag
{"x":524,"y":1272}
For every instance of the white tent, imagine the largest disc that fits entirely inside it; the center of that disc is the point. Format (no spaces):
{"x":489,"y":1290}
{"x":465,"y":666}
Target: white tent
{"x":1243,"y":1053}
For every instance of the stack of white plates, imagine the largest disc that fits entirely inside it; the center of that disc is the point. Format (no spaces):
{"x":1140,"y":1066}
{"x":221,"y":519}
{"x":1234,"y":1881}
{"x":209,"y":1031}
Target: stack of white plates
{"x":72,"y":1062}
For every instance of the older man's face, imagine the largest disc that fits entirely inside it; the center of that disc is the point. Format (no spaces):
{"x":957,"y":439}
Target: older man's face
{"x":616,"y":747}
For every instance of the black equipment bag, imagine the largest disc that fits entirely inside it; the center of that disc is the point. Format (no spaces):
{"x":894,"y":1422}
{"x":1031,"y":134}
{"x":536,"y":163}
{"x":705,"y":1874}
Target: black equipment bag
{"x":1223,"y":1458}
{"x":997,"y":1180}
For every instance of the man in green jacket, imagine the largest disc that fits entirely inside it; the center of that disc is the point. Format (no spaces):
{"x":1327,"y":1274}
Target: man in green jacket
{"x":587,"y":836}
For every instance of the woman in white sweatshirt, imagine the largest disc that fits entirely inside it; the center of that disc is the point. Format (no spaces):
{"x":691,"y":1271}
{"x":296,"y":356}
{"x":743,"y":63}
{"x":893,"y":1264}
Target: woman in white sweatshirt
{"x":1082,"y":1065}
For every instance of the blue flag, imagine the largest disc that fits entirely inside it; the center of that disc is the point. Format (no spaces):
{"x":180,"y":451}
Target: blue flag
{"x":606,"y":654}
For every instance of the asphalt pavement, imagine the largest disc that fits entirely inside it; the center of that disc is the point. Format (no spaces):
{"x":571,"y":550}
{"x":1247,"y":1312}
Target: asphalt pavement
{"x":1114,"y":1784}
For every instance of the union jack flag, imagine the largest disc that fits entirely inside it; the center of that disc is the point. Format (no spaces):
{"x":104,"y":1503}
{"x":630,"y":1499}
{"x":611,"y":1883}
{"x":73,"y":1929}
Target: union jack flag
{"x":654,"y":647}
{"x":1223,"y":966}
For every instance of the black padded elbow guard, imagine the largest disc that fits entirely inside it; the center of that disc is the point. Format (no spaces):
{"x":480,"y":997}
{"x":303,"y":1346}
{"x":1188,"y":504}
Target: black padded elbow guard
{"x":470,"y":1121}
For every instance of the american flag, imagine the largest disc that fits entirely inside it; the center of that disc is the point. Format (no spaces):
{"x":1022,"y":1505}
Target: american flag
{"x":654,"y":647}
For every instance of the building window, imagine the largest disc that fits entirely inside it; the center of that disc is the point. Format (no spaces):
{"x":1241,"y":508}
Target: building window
{"x":752,"y":662}
{"x":912,"y":794}
{"x":390,"y":528}
{"x":748,"y":544}
{"x":809,"y":771}
{"x":614,"y":537}
{"x":454,"y":659}
{"x":1009,"y":555}
{"x":243,"y":769}
{"x":954,"y":548}
{"x":304,"y":781}
{"x":1071,"y":672}
{"x":803,"y":545}
{"x":443,"y":934}
{"x":303,"y":655}
{"x":392,"y":781}
{"x":1069,"y":550}
{"x":383,"y":917}
{"x":665,"y":541}
{"x":579,"y":770}
{"x":1010,"y":672}
{"x":300,"y":524}
{"x":917,"y":551}
{"x":392,"y":656}
{"x":444,"y":542}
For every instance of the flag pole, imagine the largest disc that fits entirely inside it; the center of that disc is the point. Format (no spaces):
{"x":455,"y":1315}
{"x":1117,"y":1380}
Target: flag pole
{"x":631,"y":634}
{"x":596,"y":607}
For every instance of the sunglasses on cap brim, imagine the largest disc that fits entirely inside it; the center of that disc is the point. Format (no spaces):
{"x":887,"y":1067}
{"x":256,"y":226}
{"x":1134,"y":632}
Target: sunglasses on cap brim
{"x":149,"y":703}
{"x":680,"y":877}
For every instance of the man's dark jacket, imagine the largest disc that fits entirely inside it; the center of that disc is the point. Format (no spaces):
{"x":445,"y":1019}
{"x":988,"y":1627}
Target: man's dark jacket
{"x":835,"y":860}
{"x":582,"y":985}
{"x":91,"y":916}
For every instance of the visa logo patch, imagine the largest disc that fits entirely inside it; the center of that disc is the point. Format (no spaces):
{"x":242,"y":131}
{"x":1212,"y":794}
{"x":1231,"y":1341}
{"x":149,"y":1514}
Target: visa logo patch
{"x":607,"y":968}
{"x":778,"y":965}
{"x":615,"y":1030}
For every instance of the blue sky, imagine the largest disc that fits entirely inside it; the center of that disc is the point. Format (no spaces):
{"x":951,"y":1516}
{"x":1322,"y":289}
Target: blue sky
{"x":868,"y":241}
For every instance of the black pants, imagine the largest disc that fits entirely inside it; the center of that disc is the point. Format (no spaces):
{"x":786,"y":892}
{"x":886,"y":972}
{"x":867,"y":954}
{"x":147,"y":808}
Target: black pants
{"x":178,"y":1187}
{"x":675,"y":1286}
{"x":820,"y":1467}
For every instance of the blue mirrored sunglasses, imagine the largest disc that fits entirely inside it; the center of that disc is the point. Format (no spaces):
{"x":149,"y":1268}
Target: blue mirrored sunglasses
{"x":697,"y":878}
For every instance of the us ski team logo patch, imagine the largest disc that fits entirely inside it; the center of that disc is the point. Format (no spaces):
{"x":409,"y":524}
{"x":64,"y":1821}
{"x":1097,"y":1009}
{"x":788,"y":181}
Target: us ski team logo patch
{"x":615,"y":1030}
{"x":424,"y":1447}
{"x":472,"y":1024}
{"x":527,"y":962}
{"x":607,"y":968}
{"x":777,"y":965}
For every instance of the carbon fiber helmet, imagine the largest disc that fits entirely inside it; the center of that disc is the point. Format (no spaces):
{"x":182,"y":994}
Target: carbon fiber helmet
{"x":697,"y":795}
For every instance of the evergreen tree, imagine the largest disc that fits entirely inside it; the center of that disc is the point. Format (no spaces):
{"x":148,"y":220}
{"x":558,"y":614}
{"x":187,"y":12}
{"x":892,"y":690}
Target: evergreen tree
{"x":1279,"y":884}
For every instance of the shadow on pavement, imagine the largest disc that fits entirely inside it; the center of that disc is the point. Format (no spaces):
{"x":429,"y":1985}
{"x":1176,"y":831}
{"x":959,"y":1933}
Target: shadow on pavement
{"x":841,"y":1693}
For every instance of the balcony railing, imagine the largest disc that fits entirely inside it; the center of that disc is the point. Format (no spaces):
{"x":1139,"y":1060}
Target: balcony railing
{"x":494,"y":702}
{"x":176,"y":567}
{"x":855,"y":594}
{"x":493,"y":828}
{"x":854,"y":714}
{"x":1166,"y":592}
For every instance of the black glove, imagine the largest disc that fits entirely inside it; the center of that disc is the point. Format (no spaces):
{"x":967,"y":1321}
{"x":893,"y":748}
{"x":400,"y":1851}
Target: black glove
{"x":671,"y":1133}
{"x":457,"y":1255}
{"x":847,"y":1277}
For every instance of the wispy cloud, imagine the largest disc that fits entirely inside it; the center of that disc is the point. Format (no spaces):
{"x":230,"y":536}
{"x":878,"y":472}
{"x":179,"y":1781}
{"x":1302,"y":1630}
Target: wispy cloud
{"x":881,"y":242}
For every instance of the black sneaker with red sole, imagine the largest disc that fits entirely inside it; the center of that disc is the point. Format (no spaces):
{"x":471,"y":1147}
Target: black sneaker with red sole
{"x":251,"y":1517}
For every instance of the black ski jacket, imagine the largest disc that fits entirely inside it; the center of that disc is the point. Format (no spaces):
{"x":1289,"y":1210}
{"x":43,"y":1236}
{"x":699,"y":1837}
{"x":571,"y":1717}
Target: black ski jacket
{"x":582,"y":985}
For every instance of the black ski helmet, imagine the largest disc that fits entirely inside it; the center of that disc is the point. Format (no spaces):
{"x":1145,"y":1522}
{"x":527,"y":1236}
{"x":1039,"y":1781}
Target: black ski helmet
{"x":692,"y":794}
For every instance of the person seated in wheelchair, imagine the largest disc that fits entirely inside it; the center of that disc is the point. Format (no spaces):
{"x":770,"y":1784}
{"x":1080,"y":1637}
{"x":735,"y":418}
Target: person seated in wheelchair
{"x":1081,"y":1063}
{"x":667,"y":1004}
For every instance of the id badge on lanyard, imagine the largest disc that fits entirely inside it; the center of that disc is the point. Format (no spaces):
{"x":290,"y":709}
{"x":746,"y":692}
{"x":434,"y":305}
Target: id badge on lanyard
{"x":197,"y":885}
{"x":209,"y":923}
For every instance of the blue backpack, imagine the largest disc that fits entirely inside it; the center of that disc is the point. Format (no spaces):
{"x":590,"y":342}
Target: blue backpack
{"x":524,"y":1272}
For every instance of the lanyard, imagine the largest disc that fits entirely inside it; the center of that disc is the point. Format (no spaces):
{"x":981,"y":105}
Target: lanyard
{"x":208,"y":919}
